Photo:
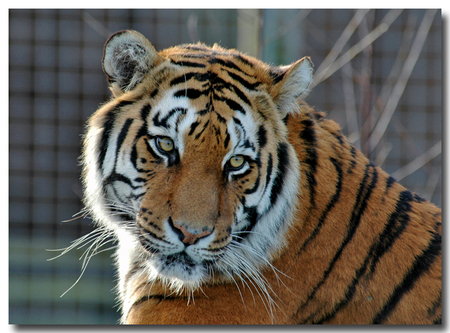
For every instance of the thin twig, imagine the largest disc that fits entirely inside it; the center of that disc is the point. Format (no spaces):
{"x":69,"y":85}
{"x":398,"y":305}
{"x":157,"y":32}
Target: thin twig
{"x":350,"y":104}
{"x":360,"y":46}
{"x":388,"y":85}
{"x":419,"y":162}
{"x":383,"y":153}
{"x":364,"y":79}
{"x":399,"y":87}
{"x":340,"y":43}
{"x":96,"y":25}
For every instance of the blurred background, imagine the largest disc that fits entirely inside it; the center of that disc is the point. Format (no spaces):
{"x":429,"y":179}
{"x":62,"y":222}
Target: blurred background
{"x":378,"y":73}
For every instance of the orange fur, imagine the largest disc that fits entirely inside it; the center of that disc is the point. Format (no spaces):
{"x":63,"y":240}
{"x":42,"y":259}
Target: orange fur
{"x":359,"y":248}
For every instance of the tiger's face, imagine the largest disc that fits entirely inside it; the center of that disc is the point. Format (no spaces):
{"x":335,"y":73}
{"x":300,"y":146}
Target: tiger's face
{"x":203,"y":165}
{"x":189,"y":164}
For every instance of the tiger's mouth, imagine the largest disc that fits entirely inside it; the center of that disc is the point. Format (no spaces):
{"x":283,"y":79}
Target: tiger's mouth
{"x":185,"y":266}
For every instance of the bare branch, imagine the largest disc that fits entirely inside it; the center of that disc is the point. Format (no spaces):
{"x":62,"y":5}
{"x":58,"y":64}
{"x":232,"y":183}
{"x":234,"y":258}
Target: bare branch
{"x":419,"y":162}
{"x":360,"y":46}
{"x":340,"y":43}
{"x":405,"y":45}
{"x":96,"y":25}
{"x":399,"y":87}
{"x":383,"y":154}
{"x":350,"y":101}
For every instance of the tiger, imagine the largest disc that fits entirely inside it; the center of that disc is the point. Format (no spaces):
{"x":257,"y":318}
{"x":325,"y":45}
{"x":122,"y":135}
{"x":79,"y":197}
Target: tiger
{"x":233,"y":201}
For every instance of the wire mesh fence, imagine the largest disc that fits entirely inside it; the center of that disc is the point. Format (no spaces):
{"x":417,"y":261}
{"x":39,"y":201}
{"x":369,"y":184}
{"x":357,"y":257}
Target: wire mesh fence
{"x":392,"y":78}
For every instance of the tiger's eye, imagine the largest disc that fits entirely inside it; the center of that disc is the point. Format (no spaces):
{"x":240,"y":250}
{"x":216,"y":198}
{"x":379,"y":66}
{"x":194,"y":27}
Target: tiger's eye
{"x":166,"y":144}
{"x":237,"y":161}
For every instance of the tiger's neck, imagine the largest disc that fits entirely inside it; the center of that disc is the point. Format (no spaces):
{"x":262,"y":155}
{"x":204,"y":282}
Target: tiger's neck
{"x":337,"y":180}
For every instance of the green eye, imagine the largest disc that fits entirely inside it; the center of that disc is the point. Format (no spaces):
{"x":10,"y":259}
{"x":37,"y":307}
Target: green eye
{"x":166,"y":144}
{"x":237,"y":161}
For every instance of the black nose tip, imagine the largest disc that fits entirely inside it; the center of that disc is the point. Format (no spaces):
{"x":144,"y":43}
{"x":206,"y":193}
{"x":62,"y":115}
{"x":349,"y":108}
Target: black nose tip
{"x":188,"y":238}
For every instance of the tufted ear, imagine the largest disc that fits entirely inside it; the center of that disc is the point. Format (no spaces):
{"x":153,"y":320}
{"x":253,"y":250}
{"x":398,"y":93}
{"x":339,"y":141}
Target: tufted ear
{"x":291,"y":83}
{"x":127,"y":57}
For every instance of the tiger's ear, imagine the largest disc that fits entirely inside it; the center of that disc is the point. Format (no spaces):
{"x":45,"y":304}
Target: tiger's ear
{"x":127,"y":57}
{"x":291,"y":83}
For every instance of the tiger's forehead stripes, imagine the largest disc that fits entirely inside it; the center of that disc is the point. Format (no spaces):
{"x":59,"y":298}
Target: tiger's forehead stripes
{"x":200,"y":56}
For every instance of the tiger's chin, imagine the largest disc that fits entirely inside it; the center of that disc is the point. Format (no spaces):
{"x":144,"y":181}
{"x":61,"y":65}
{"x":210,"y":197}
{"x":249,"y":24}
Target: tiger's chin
{"x":181,"y":267}
{"x":178,"y":272}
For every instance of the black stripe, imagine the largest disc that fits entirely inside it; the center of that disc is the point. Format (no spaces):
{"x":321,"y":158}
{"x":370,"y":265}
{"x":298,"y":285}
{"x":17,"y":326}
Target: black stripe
{"x":255,"y":186}
{"x":196,"y":47}
{"x":227,"y":140}
{"x":158,"y":159}
{"x":421,"y":265}
{"x":252,"y":218}
{"x":145,"y":111}
{"x":107,"y":129}
{"x":151,"y":297}
{"x":134,"y":157}
{"x":120,"y":139}
{"x":190,"y":93}
{"x":220,"y":118}
{"x":334,"y":199}
{"x":202,"y":77}
{"x":227,"y":63}
{"x":262,"y":136}
{"x":202,"y":56}
{"x":204,"y":128}
{"x":240,"y":94}
{"x":147,"y":245}
{"x":397,"y":222}
{"x":339,"y":137}
{"x":218,"y":84}
{"x":268,"y":173}
{"x":163,"y":122}
{"x":283,"y":166}
{"x":243,"y":60}
{"x":308,"y":135}
{"x":390,"y":181}
{"x":362,"y":198}
{"x":393,"y":229}
{"x":144,"y":128}
{"x":277,"y":74}
{"x":154,"y":93}
{"x":233,"y":105}
{"x":193,"y":127}
{"x":353,"y":162}
{"x":188,"y":64}
{"x":122,"y":135}
{"x":418,"y":198}
{"x":117,"y":177}
{"x":246,"y":84}
{"x":238,"y":122}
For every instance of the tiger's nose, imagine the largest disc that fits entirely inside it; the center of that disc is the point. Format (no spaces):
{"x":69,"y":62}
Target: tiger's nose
{"x":188,"y":238}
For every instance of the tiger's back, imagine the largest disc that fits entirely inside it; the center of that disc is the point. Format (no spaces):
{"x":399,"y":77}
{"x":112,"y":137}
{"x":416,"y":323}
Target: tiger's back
{"x":375,"y":245}
{"x":244,"y":205}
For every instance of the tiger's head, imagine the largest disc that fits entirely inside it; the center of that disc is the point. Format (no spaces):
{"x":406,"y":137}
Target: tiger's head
{"x":188,"y":164}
